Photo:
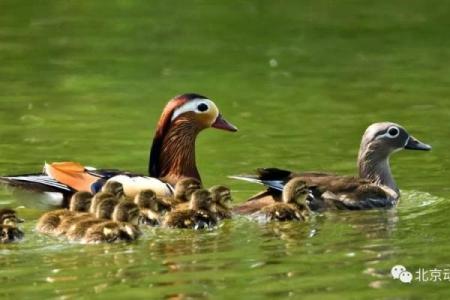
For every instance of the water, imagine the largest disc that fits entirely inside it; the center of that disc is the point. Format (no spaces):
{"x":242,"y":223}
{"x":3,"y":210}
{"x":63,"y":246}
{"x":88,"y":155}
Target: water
{"x":86,"y":81}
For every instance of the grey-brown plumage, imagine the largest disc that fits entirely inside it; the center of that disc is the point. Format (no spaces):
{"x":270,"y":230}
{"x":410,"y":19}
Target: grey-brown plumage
{"x":151,"y":208}
{"x":110,"y":232}
{"x":197,"y":216}
{"x":80,"y":202}
{"x":293,"y":207}
{"x":104,"y":212}
{"x":10,"y":234}
{"x":104,"y":207}
{"x":115,"y":188}
{"x":221,"y":199}
{"x":375,"y":186}
{"x":122,"y":227}
{"x":185,"y":188}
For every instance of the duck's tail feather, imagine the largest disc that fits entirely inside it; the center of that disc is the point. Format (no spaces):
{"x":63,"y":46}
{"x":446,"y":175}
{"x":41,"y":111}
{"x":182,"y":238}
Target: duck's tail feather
{"x":272,"y":184}
{"x":36,"y":183}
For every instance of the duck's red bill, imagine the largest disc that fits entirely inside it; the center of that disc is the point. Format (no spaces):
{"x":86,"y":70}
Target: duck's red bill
{"x":223,"y":124}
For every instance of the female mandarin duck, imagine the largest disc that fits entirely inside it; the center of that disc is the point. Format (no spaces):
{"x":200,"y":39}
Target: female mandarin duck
{"x":172,"y":156}
{"x":375,"y":186}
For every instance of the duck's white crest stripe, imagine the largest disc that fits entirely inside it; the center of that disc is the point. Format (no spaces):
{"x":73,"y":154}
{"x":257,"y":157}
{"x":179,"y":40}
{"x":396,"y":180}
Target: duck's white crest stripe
{"x":191,"y":106}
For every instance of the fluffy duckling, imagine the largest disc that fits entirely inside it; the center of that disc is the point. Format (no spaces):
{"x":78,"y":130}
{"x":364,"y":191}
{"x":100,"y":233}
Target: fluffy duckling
{"x":123,"y":227}
{"x":9,"y":217}
{"x":221,"y":197}
{"x":79,"y":203}
{"x":294,"y":205}
{"x":104,"y":212}
{"x":9,"y":234}
{"x":151,"y":208}
{"x":184,"y":190}
{"x":115,"y":188}
{"x":197,"y":216}
{"x":68,"y":221}
{"x":8,"y":226}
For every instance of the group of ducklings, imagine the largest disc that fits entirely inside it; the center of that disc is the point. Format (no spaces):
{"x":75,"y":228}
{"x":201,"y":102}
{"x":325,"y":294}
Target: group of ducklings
{"x":110,"y":216}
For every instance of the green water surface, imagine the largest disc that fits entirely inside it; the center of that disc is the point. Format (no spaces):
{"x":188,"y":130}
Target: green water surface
{"x":87,"y":80}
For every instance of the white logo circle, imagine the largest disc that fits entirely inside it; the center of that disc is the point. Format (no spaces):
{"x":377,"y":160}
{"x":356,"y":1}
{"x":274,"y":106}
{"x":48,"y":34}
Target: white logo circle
{"x":406,"y":277}
{"x":397,"y":270}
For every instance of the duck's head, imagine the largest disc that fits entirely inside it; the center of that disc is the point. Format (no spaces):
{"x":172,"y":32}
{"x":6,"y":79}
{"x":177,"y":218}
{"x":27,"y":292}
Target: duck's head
{"x":185,"y":187}
{"x":201,"y":200}
{"x":182,"y":119}
{"x":98,"y":198}
{"x":197,"y":110}
{"x":80,"y":202}
{"x":10,"y":234}
{"x":145,"y":199}
{"x":382,"y":139}
{"x":295,"y":192}
{"x":9,"y":217}
{"x":105,"y":208}
{"x":126,"y":211}
{"x":113,"y":187}
{"x":221,"y":195}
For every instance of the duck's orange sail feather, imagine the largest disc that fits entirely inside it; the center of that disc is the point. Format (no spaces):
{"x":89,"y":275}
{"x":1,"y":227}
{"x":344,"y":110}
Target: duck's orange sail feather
{"x":71,"y":174}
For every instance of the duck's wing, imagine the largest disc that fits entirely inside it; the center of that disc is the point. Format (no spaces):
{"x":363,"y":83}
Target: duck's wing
{"x":327,"y":190}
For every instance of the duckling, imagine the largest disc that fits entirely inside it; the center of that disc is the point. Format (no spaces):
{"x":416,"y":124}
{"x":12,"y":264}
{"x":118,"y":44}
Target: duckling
{"x":9,"y":217}
{"x":122,"y":227}
{"x":115,"y":188}
{"x":221,"y":197}
{"x":80,"y":202}
{"x":184,"y":189}
{"x":104,"y":212}
{"x":68,"y":221}
{"x":9,"y":234}
{"x":294,"y":205}
{"x":151,"y":207}
{"x":197,"y":216}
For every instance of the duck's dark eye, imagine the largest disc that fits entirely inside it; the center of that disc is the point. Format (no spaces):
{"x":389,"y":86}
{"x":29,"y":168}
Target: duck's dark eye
{"x":202,"y":107}
{"x":393,"y":132}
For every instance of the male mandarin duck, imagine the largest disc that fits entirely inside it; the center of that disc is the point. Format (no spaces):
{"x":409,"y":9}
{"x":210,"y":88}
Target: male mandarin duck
{"x":172,"y":156}
{"x":375,"y":186}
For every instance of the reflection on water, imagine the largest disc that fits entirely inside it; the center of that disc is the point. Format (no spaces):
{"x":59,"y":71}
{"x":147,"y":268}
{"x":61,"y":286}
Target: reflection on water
{"x":86,"y":81}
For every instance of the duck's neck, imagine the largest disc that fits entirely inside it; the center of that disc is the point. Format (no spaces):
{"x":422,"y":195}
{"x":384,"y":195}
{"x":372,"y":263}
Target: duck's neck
{"x":177,"y":155}
{"x":376,"y":168}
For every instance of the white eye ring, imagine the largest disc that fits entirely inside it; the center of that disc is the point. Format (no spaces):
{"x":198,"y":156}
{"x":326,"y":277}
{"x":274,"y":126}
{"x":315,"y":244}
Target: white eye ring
{"x":393,"y":132}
